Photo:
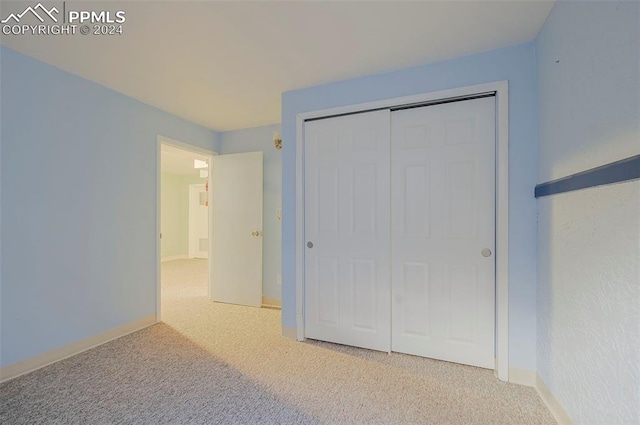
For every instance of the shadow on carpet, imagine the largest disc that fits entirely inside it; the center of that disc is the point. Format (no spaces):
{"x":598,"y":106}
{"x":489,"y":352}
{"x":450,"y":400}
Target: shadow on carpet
{"x":154,"y":376}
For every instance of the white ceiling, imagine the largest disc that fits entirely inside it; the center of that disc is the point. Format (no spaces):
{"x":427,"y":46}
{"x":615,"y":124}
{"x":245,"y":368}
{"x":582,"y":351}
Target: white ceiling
{"x":174,"y":160}
{"x":225,"y":64}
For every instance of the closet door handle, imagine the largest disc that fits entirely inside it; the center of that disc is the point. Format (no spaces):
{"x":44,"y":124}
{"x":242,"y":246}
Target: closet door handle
{"x":486,"y":252}
{"x":309,"y":244}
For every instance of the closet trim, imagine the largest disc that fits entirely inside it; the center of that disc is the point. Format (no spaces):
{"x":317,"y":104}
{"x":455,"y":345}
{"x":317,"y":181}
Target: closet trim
{"x":500,"y":90}
{"x":408,"y":106}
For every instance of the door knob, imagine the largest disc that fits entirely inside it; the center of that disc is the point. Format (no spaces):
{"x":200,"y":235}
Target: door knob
{"x":486,"y":252}
{"x":256,"y":233}
{"x":309,"y":244}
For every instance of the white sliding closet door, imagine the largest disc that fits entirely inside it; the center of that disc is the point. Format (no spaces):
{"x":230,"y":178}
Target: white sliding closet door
{"x":347,"y":220}
{"x":443,"y":226}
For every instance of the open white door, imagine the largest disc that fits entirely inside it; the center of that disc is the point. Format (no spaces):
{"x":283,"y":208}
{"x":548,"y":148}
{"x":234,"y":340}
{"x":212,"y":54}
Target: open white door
{"x":236,"y":218}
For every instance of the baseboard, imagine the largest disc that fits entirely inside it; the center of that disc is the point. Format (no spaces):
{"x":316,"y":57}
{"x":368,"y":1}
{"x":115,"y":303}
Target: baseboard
{"x":269,"y":302}
{"x":45,"y":359}
{"x":522,"y":376}
{"x":174,"y":257}
{"x":552,"y":404}
{"x":289,"y":333}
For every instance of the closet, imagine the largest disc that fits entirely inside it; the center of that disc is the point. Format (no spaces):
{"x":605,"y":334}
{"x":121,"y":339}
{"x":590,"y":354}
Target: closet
{"x":399,"y":217}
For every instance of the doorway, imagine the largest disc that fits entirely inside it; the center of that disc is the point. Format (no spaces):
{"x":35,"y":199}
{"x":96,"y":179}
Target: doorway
{"x":183,"y":218}
{"x":209,"y":215}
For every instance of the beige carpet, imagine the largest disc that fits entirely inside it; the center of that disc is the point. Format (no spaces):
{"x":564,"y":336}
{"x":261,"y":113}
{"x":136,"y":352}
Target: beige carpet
{"x":216,"y":363}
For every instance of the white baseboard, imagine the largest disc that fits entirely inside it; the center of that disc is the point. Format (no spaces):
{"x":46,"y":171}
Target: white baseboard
{"x":269,"y":302}
{"x":45,"y":359}
{"x":289,"y":333}
{"x":174,"y":257}
{"x":552,"y":404}
{"x":522,"y":376}
{"x":531,"y":379}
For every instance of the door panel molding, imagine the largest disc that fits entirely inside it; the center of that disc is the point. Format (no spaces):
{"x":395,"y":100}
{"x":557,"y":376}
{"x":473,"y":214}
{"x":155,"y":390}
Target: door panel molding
{"x":501,"y":90}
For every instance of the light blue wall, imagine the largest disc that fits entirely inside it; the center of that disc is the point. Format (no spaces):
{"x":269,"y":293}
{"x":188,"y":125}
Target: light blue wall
{"x":516,"y":64}
{"x":253,"y":140}
{"x":588,"y":354}
{"x":78,"y":231}
{"x":588,"y":60}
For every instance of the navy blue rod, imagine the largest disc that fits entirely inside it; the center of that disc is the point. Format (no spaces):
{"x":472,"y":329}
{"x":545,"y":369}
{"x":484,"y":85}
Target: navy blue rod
{"x":615,"y":172}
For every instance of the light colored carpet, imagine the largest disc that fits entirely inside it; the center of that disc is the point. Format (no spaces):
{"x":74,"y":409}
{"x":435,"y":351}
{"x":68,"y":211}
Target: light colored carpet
{"x":215,"y":363}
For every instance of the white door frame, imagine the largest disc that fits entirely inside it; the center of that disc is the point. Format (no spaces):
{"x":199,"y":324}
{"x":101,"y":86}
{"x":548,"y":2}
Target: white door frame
{"x":501,"y":89}
{"x":162,"y":140}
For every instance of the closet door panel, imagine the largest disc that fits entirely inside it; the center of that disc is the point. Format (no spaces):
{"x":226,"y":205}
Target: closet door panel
{"x":347,"y":224}
{"x":443,"y":201}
